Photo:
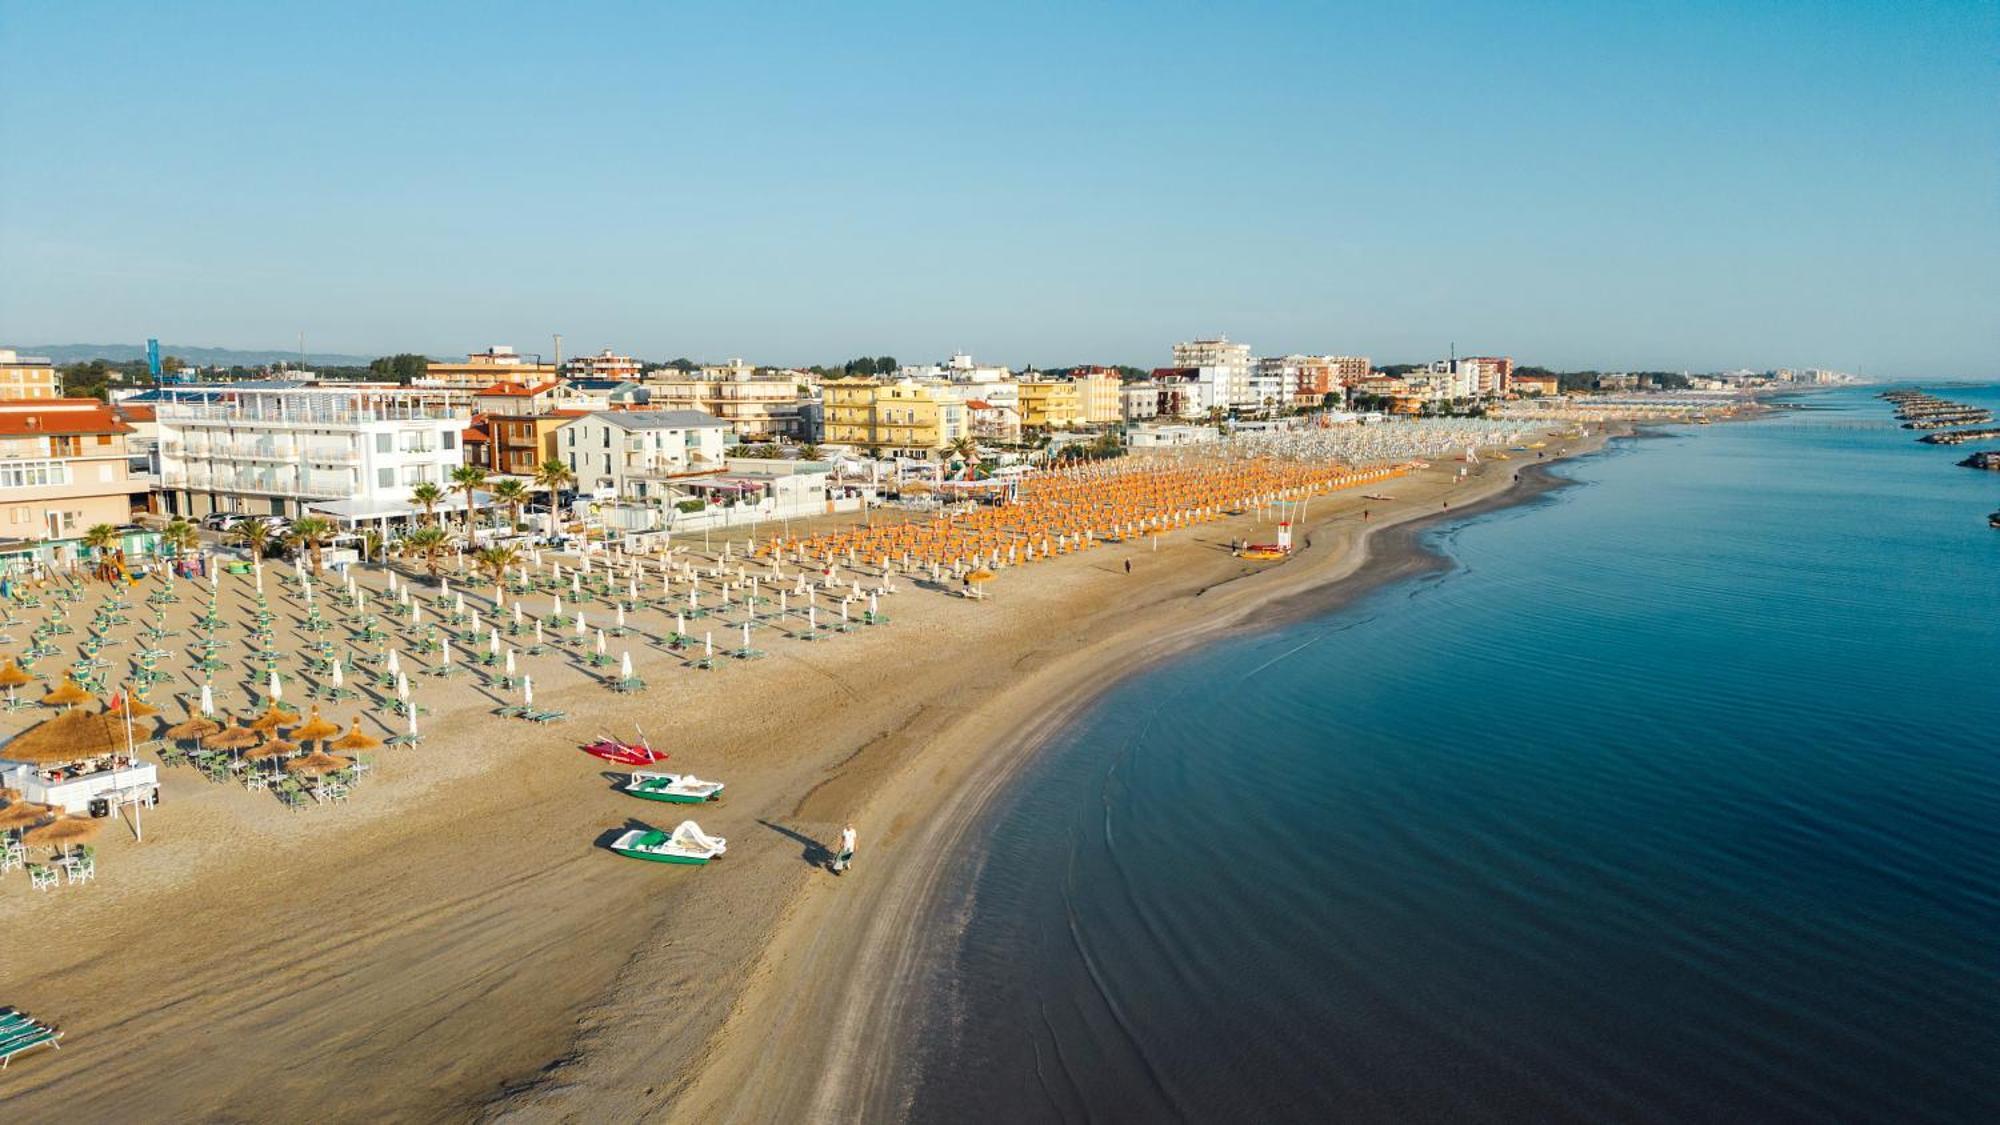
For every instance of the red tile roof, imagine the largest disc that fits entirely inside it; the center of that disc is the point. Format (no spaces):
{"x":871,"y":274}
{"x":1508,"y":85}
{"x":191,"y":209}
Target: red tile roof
{"x":59,"y":416}
{"x":515,"y":390}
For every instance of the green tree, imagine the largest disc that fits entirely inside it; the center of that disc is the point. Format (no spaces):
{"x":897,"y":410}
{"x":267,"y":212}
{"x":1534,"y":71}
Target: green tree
{"x":403,"y":367}
{"x":428,"y":496}
{"x":179,"y":537}
{"x":311,"y":533}
{"x":101,"y":538}
{"x":498,"y":559}
{"x":254,"y":535}
{"x":515,"y":495}
{"x":465,"y":480}
{"x":428,"y":542}
{"x":551,"y":476}
{"x":809,"y":452}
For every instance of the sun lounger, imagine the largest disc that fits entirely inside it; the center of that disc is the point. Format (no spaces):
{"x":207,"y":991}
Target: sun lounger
{"x":511,"y":710}
{"x":548,"y":716}
{"x":39,"y":1036}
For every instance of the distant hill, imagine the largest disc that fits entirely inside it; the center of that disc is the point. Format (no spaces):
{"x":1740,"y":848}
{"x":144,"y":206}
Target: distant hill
{"x":201,"y":357}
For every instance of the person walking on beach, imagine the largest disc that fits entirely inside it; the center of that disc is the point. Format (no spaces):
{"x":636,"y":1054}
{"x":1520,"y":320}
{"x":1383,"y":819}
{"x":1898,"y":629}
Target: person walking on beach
{"x":1128,"y":566}
{"x":845,"y":855}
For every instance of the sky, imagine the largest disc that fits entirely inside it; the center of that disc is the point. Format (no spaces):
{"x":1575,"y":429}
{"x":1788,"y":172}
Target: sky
{"x":1579,"y":185}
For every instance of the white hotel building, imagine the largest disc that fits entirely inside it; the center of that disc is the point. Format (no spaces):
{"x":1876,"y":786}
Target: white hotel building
{"x":351,"y":453}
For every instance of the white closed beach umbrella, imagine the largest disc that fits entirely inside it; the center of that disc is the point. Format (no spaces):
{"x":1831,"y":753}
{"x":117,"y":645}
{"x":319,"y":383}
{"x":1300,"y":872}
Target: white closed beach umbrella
{"x":208,"y":699}
{"x":493,"y":641}
{"x":336,"y":675}
{"x":680,"y":625}
{"x":413,"y":722}
{"x":600,"y":642}
{"x":395,"y":665}
{"x":621,"y":617}
{"x":447,"y":653}
{"x":275,"y":687}
{"x":555,"y":606}
{"x":579,"y":625}
{"x":402,"y":687}
{"x":528,"y":690}
{"x":708,"y":644}
{"x":416,"y":613}
{"x":444,"y":587}
{"x":510,"y":663}
{"x":538,"y":633}
{"x":746,"y":636}
{"x":625,"y":665}
{"x":517,"y":613}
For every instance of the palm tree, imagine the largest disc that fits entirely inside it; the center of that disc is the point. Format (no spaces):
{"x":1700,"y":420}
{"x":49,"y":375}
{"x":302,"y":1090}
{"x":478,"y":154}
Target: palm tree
{"x":965,"y":449}
{"x":465,"y":480}
{"x":101,"y":538}
{"x":430,"y":542}
{"x":498,"y":559}
{"x":372,"y":544}
{"x":429,"y":496}
{"x":254,"y":534}
{"x":179,"y":537}
{"x":809,"y":452}
{"x":512,"y":493}
{"x":311,"y":532}
{"x":551,"y":476}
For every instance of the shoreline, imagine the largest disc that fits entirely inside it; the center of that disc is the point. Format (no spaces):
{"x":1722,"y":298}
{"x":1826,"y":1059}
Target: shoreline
{"x":855,"y":998}
{"x":457,"y":941}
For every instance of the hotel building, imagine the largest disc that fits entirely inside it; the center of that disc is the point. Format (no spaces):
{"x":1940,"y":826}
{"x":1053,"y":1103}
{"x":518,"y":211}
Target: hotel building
{"x":353,"y":453}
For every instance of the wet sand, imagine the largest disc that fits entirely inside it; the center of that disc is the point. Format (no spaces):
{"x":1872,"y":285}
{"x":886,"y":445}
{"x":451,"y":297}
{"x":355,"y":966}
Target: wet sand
{"x":455,"y":941}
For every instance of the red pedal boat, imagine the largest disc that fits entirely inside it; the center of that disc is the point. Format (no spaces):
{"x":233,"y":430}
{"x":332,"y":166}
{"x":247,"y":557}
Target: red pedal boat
{"x":640,"y":753}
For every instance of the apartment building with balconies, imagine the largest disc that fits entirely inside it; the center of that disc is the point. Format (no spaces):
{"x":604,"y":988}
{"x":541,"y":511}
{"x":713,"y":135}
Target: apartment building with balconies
{"x":905,"y":418}
{"x":63,"y":468}
{"x":638,"y":454}
{"x":355,"y":453}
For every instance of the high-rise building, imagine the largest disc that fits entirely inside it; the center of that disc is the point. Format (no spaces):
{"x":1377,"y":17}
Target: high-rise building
{"x":1098,"y":390}
{"x":1229,"y":361}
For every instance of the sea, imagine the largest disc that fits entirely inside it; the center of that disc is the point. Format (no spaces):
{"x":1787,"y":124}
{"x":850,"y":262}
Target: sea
{"x":1671,"y":795}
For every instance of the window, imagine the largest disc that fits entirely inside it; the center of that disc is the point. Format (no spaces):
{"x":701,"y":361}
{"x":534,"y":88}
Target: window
{"x":413,"y":474}
{"x":450,"y":439}
{"x":607,"y":437}
{"x":385,"y":478}
{"x":104,"y":439}
{"x":385,"y":443}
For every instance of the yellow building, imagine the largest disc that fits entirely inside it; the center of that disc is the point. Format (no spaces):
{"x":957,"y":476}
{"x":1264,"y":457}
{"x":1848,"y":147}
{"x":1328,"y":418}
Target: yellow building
{"x":27,"y":377}
{"x":1100,"y":392}
{"x":1047,"y":404}
{"x":904,"y":418}
{"x":496,"y":364}
{"x":756,"y":406}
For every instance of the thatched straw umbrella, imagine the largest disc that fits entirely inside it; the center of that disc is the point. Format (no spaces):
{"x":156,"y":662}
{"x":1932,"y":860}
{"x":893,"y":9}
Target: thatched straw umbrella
{"x":11,"y":677}
{"x":21,"y":815}
{"x":71,"y":736}
{"x":315,"y":729}
{"x":357,"y":739}
{"x":134,"y":707}
{"x":67,"y":694}
{"x":196,"y":728}
{"x":231,"y":738}
{"x":61,"y":833}
{"x":273,"y":717}
{"x":317,"y":762}
{"x":272,"y":748}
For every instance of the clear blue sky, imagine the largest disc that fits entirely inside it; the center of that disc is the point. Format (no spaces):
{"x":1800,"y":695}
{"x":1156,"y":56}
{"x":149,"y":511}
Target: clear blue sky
{"x":1584,"y":185}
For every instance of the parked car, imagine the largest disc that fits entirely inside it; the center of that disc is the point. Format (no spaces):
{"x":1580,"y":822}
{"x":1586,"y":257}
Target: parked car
{"x":219,"y":521}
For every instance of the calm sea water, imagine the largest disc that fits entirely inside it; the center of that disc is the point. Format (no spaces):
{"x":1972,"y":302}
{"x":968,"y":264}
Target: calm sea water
{"x":1675,"y":796}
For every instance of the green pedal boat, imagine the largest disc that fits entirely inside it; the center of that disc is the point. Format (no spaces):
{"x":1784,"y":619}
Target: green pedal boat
{"x":677,"y":788}
{"x":686,"y":844}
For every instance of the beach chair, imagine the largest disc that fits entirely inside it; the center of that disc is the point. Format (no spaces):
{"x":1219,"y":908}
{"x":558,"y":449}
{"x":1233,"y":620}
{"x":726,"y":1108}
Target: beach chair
{"x":546,"y":717}
{"x":511,"y":711}
{"x":635,"y":684}
{"x":41,"y":878}
{"x":82,"y":869}
{"x":27,"y":1039}
{"x":11,"y":856}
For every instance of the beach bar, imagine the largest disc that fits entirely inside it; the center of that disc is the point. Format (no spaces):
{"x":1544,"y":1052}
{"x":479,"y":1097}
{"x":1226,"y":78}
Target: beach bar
{"x":75,"y":761}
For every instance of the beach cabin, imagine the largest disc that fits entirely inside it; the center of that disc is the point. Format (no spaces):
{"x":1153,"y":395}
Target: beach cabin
{"x":77,"y":762}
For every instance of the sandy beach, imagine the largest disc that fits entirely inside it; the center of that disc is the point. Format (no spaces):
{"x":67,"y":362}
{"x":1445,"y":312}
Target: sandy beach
{"x":456,"y":941}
